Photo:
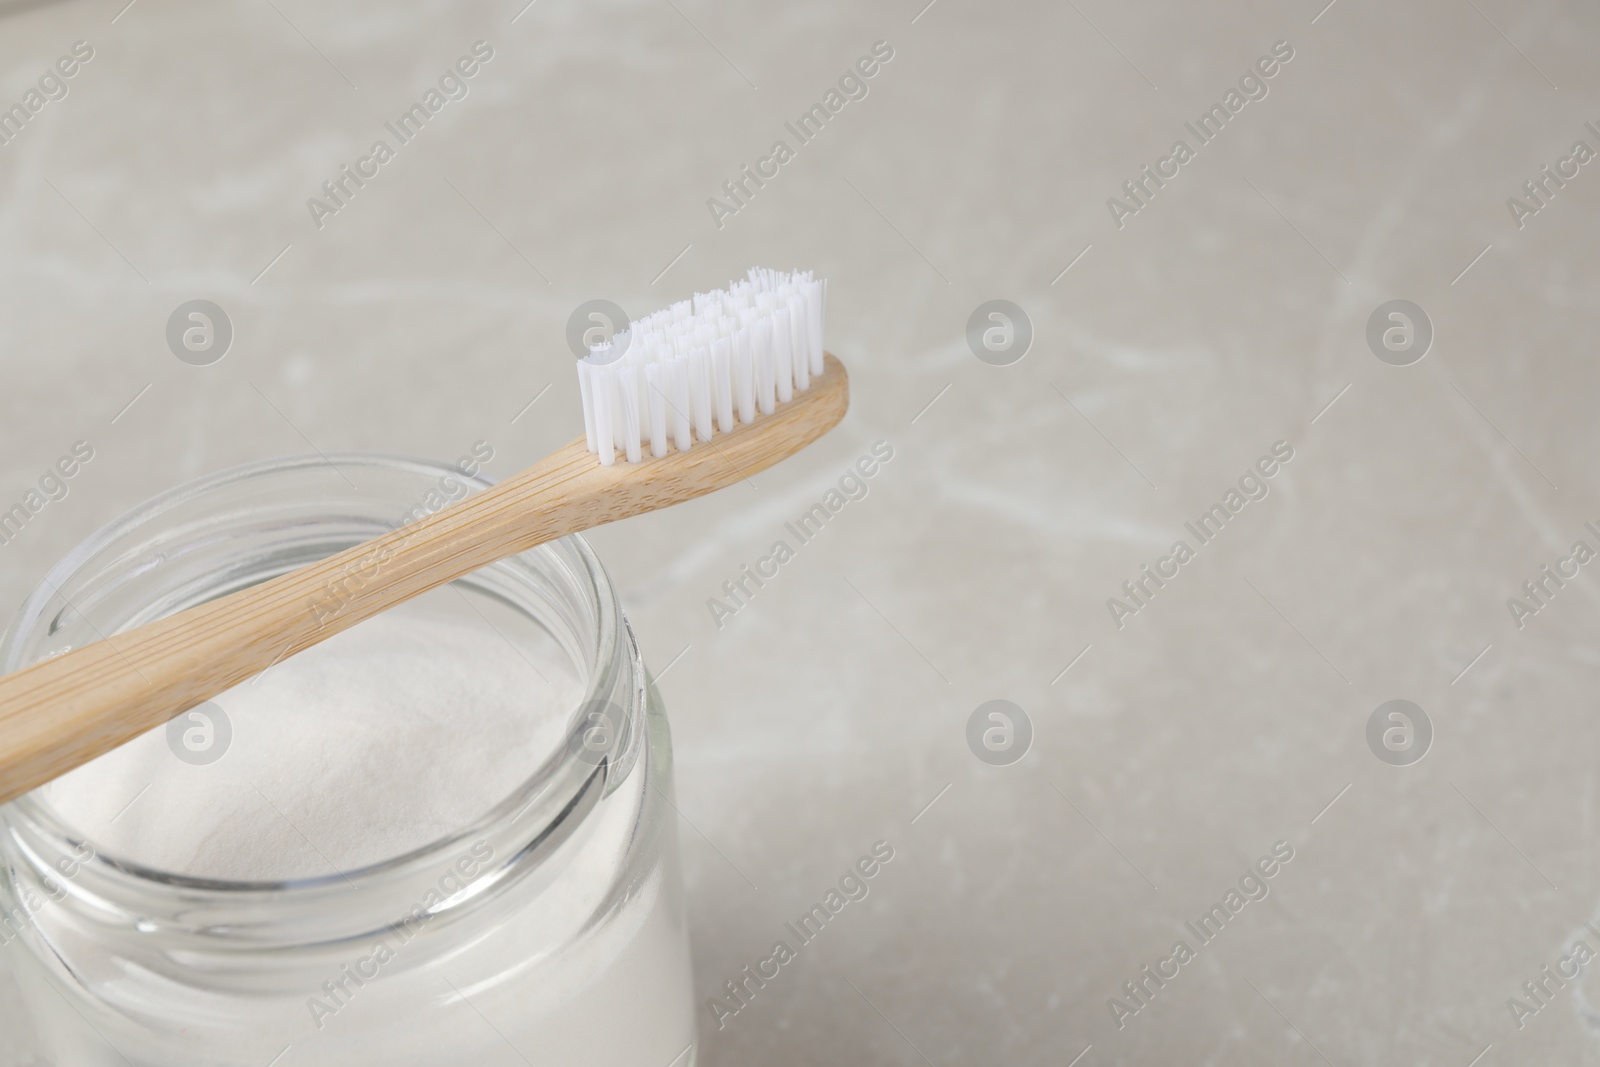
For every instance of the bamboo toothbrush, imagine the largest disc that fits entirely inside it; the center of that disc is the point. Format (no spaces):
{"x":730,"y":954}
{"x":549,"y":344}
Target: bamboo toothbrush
{"x":720,"y":387}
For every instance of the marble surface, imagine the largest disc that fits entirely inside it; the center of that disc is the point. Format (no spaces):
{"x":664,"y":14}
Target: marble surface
{"x":1172,"y":747}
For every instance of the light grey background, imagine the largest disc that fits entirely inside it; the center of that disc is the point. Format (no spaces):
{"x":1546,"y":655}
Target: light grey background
{"x":1225,"y":316}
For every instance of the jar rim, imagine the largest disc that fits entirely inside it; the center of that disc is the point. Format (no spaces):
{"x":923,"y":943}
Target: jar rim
{"x":537,"y":814}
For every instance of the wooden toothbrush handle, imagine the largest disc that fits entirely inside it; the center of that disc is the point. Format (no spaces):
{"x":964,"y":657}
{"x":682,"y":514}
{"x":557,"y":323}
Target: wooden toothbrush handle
{"x":64,"y":711}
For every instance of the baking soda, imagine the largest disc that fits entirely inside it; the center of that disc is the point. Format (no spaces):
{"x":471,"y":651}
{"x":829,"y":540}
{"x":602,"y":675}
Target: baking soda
{"x":382,"y":739}
{"x":388,"y":737}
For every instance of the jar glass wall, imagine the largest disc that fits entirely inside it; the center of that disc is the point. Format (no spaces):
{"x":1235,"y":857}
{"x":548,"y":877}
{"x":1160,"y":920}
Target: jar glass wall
{"x":547,"y":927}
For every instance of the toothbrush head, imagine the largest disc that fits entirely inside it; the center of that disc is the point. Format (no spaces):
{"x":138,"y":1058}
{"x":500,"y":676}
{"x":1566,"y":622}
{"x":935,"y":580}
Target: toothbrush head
{"x":704,"y":366}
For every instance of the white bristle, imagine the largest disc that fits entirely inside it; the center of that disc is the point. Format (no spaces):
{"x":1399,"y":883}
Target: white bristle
{"x":703,"y":365}
{"x":799,"y":344}
{"x":630,"y":412}
{"x":766,"y":365}
{"x":700,"y":390}
{"x":722,"y":380}
{"x":614,"y":387}
{"x":588,"y":404}
{"x":658,"y":410}
{"x":600,"y":384}
{"x":782,"y":355}
{"x":744,"y":380}
{"x":678,"y":401}
{"x":816,"y":292}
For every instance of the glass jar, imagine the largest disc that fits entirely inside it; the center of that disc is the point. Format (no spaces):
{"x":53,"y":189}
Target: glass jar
{"x":549,"y":930}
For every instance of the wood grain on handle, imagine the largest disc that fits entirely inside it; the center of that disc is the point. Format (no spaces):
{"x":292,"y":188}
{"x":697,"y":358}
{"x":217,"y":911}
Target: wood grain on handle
{"x":63,"y":712}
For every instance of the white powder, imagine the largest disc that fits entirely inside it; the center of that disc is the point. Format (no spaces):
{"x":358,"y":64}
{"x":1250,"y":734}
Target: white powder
{"x":378,"y":741}
{"x":375,"y":743}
